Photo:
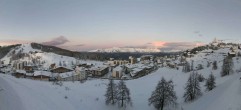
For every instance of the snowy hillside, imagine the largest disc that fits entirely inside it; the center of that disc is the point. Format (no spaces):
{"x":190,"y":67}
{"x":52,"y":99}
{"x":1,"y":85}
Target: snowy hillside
{"x":122,"y":49}
{"x":44,"y":58}
{"x":28,"y":94}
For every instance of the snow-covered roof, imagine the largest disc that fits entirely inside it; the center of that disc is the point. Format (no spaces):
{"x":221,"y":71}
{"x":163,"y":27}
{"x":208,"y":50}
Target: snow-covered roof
{"x":44,"y":73}
{"x":118,"y":68}
{"x":135,"y":71}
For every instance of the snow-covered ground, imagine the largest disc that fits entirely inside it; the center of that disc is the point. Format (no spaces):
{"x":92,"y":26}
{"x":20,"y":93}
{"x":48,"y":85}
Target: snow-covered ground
{"x":26,"y":94}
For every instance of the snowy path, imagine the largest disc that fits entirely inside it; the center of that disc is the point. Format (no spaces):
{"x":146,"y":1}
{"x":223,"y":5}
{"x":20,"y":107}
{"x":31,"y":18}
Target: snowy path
{"x":9,"y":99}
{"x":226,"y":96}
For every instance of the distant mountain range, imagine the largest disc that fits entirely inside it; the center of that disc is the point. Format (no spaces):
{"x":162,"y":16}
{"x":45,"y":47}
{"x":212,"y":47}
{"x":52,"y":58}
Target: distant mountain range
{"x":131,"y":50}
{"x":127,"y":49}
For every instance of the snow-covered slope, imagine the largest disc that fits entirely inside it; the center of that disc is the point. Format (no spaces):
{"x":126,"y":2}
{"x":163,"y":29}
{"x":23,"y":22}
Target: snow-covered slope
{"x":122,"y":49}
{"x":44,"y":58}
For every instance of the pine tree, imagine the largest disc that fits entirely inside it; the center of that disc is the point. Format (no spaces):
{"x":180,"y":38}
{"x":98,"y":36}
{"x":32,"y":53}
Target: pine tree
{"x":111,"y":93}
{"x":215,"y":67}
{"x":123,"y":95}
{"x":208,"y":64}
{"x":227,"y":67}
{"x":163,"y":95}
{"x":186,"y":67}
{"x":192,"y":66}
{"x":210,"y":83}
{"x":192,"y":89}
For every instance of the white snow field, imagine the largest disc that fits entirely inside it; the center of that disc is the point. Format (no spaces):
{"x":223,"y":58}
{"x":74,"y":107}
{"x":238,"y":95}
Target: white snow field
{"x":26,"y":94}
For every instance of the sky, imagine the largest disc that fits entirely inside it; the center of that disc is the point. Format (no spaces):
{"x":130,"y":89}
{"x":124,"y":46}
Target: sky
{"x":84,"y":25}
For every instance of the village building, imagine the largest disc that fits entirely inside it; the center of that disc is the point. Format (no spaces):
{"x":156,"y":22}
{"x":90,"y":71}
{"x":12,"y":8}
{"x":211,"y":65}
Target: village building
{"x":120,"y":62}
{"x":147,"y":58}
{"x":19,"y":65}
{"x":81,"y":73}
{"x":29,"y":69}
{"x":98,"y":71}
{"x":61,"y":70}
{"x":133,"y":60}
{"x":117,"y":72}
{"x":42,"y":75}
{"x":139,"y":70}
{"x":19,"y":74}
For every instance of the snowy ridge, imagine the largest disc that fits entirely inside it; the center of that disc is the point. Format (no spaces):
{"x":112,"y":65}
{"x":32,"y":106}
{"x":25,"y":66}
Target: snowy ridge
{"x":126,"y":49}
{"x":45,"y":58}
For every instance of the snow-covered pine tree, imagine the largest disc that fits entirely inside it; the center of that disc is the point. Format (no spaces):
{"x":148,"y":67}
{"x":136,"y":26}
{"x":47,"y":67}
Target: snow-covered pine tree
{"x":210,"y":83}
{"x":215,"y":66}
{"x":227,"y":67}
{"x":111,"y":93}
{"x":163,"y":95}
{"x":192,"y":89}
{"x":123,"y":95}
{"x":192,"y":66}
{"x":186,"y":67}
{"x":208,"y":64}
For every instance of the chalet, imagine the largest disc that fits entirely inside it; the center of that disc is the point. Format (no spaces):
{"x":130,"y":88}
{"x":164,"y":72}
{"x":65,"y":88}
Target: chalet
{"x":98,"y":71}
{"x":19,"y":74}
{"x":61,"y":70}
{"x":117,"y":72}
{"x":42,"y":75}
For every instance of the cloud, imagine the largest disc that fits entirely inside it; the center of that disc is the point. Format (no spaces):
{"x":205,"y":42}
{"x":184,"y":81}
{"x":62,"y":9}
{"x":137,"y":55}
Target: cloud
{"x":56,"y":41}
{"x":170,"y":46}
{"x":77,"y":47}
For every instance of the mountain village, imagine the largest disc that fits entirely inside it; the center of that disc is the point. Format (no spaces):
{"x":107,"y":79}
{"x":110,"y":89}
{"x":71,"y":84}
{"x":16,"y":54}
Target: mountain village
{"x":35,"y":64}
{"x":31,"y":72}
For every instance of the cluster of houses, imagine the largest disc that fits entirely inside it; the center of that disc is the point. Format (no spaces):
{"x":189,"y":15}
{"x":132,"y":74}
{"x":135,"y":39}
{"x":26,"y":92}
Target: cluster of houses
{"x":135,"y":68}
{"x":54,"y":73}
{"x":118,"y":69}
